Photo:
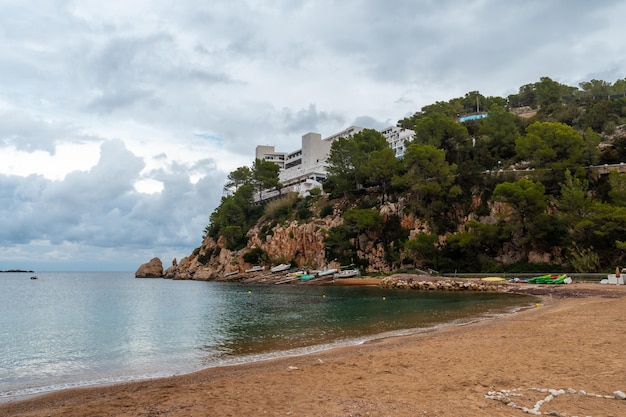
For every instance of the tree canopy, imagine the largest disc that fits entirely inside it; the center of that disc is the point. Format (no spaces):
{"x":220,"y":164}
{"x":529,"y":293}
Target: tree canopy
{"x":527,"y":178}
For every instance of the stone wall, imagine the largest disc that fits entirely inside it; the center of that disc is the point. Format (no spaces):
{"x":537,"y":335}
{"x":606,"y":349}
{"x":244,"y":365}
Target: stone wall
{"x":440,"y":284}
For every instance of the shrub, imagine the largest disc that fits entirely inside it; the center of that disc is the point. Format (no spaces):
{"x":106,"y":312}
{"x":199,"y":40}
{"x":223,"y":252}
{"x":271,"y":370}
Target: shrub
{"x":304,"y":213}
{"x":268,"y":229}
{"x":584,"y":259}
{"x":235,"y":238}
{"x":327,"y":210}
{"x":203,"y":258}
{"x":281,"y":208}
{"x":255,"y":256}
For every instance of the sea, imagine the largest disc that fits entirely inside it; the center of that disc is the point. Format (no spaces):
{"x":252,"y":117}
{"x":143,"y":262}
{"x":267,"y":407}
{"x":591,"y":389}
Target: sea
{"x":78,"y":329}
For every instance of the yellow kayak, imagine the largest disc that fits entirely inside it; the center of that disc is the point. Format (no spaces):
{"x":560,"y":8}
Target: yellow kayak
{"x":493,"y":279}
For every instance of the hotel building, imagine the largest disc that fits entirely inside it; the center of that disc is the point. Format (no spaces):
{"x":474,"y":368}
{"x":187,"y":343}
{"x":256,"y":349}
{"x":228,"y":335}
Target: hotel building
{"x":306,"y":168}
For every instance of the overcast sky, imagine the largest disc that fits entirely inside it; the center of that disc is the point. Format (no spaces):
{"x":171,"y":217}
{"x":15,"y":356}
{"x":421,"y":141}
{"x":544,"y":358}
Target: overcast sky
{"x":119,"y":120}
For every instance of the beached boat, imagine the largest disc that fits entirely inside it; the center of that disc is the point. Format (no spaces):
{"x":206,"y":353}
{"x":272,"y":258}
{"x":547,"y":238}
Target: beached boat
{"x":255,"y":268}
{"x":558,"y":280}
{"x":230,"y":274}
{"x":280,"y":268}
{"x":548,"y":279}
{"x":493,"y":279}
{"x":306,"y":277}
{"x":287,"y":279}
{"x":326,"y":272}
{"x":298,"y":273}
{"x":347,"y":273}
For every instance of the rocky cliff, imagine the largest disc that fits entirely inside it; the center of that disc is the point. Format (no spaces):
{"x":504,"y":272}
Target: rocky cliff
{"x":294,"y":242}
{"x":302,"y":244}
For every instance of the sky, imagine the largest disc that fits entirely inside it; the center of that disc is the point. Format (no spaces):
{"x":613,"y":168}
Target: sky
{"x":120,"y":120}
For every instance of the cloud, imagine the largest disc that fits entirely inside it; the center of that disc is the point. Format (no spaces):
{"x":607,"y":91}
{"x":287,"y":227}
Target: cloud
{"x":308,"y":120}
{"x":100,"y":208}
{"x":371,"y":123}
{"x":120,"y":120}
{"x":24,"y":132}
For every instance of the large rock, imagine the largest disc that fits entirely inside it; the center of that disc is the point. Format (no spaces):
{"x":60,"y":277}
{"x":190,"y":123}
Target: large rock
{"x":152,"y":269}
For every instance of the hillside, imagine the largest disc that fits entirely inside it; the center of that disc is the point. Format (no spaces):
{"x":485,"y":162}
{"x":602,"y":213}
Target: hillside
{"x":536,"y":185}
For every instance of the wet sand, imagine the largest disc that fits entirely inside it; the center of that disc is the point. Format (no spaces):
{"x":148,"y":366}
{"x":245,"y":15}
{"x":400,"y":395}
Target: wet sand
{"x":575,"y":338}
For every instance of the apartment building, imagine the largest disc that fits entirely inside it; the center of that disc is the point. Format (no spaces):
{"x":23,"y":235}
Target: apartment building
{"x":305,"y":168}
{"x":397,"y":137}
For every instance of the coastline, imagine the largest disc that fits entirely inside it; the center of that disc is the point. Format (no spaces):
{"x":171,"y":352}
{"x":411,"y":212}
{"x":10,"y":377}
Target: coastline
{"x":573,"y":340}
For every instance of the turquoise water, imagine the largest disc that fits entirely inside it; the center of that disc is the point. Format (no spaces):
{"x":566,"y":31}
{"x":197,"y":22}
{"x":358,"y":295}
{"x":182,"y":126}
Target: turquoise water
{"x":78,"y":329}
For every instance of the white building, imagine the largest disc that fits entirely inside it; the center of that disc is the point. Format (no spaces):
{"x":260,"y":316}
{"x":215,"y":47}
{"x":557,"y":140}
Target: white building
{"x":397,"y":137}
{"x":269,"y":154}
{"x":305,"y":169}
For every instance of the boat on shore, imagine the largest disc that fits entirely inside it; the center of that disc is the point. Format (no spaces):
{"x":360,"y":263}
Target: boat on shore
{"x":256,"y":268}
{"x":548,"y":279}
{"x":327,"y":272}
{"x":280,"y":268}
{"x":493,"y":279}
{"x":347,"y":273}
{"x":286,"y":280}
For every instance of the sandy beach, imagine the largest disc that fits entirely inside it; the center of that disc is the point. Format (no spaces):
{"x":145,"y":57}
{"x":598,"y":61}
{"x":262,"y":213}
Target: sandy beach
{"x":575,"y":338}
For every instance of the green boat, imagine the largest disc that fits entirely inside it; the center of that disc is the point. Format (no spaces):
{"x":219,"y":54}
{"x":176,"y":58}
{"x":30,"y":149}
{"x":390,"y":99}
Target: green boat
{"x":548,"y":279}
{"x":306,"y":277}
{"x":558,"y":280}
{"x":539,"y":280}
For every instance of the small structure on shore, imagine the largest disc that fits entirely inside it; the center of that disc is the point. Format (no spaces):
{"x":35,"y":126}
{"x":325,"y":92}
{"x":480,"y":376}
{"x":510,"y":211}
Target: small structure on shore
{"x":615,"y":279}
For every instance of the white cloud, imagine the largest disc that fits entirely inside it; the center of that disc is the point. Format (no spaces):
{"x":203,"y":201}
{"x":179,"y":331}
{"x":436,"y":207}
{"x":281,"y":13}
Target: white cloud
{"x":119,"y":121}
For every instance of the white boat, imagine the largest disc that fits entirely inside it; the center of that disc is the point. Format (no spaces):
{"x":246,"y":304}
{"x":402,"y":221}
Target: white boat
{"x":280,"y":268}
{"x":230,"y":274}
{"x":326,"y":272}
{"x":347,"y":273}
{"x":255,"y":268}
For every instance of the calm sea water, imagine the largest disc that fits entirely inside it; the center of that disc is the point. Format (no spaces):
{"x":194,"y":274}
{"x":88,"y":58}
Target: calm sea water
{"x":79,"y":329}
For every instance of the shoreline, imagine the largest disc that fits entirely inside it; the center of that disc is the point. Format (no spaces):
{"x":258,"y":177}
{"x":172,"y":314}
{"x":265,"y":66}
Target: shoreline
{"x":574,"y":340}
{"x":249,"y":359}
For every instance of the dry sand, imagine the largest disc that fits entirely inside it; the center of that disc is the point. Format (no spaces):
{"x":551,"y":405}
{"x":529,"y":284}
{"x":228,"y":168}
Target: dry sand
{"x":575,"y":339}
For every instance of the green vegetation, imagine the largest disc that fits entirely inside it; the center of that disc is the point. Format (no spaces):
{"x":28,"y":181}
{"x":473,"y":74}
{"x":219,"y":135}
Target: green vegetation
{"x":255,"y":256}
{"x":499,"y":193}
{"x":236,"y":213}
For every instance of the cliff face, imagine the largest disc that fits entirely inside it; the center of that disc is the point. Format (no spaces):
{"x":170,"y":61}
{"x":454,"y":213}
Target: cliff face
{"x":302,"y":243}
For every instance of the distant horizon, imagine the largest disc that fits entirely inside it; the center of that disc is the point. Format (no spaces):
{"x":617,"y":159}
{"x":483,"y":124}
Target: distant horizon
{"x":68,"y":268}
{"x":106,"y":263}
{"x":34,"y":271}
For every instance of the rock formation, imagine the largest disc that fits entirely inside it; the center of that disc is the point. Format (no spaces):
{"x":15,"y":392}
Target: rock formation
{"x":152,"y":269}
{"x":302,"y":244}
